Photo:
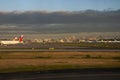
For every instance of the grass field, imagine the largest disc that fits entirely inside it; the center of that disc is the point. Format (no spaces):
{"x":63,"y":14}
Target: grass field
{"x":40,"y":61}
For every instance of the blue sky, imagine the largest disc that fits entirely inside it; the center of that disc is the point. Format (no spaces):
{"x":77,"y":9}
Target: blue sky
{"x":58,"y":5}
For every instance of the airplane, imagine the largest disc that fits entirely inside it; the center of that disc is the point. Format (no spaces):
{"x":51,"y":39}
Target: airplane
{"x":16,"y":40}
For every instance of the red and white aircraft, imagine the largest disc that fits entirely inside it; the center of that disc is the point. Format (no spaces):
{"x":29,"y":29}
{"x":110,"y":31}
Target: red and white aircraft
{"x":14,"y":41}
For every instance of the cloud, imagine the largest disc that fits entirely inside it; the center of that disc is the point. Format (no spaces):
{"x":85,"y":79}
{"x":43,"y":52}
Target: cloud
{"x":63,"y":21}
{"x":42,"y":17}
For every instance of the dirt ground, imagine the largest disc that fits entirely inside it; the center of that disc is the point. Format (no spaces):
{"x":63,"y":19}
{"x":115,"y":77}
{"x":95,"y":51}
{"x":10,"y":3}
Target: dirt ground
{"x":20,"y":61}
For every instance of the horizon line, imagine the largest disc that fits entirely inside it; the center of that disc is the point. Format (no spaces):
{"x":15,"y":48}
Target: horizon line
{"x":109,"y":9}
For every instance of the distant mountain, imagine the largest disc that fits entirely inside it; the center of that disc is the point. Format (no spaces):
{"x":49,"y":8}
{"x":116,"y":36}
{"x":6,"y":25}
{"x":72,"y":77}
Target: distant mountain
{"x":61,"y":21}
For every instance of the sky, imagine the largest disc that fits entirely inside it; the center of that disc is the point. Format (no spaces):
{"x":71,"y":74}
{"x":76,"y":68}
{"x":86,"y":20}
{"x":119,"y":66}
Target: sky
{"x":58,"y":5}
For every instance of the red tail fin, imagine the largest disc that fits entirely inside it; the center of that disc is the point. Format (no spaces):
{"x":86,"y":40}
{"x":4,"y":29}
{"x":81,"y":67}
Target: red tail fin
{"x":21,"y":38}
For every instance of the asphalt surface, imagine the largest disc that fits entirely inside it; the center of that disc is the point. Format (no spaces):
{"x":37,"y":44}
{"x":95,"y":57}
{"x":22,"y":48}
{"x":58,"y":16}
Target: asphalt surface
{"x":63,"y":50}
{"x":65,"y":75}
{"x":49,"y":47}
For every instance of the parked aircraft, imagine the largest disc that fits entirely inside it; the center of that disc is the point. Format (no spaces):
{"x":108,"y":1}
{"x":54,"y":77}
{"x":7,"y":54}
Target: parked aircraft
{"x":16,"y":40}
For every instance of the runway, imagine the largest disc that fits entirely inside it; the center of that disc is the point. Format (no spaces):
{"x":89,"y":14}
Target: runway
{"x":62,"y":50}
{"x":68,"y":76}
{"x":86,"y":75}
{"x":51,"y":48}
